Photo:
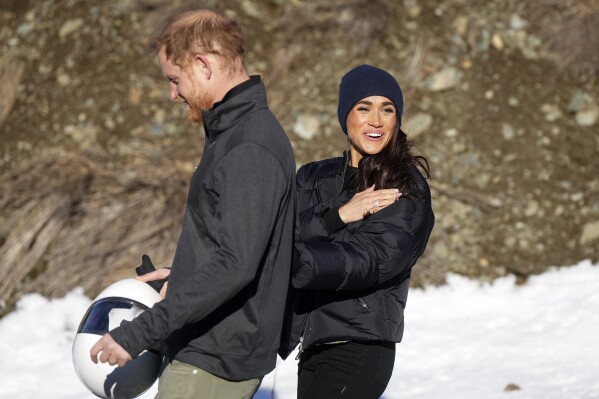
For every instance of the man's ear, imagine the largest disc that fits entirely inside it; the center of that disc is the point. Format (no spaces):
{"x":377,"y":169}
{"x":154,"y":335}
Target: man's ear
{"x":204,"y":64}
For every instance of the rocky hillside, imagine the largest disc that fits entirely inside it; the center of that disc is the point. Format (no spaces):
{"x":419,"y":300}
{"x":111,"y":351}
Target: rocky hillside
{"x":501,"y":96}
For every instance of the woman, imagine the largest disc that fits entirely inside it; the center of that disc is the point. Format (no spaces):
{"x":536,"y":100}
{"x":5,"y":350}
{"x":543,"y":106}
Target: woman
{"x":363,"y":221}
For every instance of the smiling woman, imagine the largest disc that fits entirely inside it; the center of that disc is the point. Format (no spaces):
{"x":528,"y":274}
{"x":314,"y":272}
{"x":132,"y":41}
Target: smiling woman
{"x":370,"y":126}
{"x":364,"y":219}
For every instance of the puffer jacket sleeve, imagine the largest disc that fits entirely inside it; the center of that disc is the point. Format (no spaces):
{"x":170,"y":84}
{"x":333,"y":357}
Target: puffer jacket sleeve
{"x":366,"y":253}
{"x":310,"y":224}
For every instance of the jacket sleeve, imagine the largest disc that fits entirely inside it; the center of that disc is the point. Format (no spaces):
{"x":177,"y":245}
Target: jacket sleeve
{"x":251,"y":185}
{"x":375,"y":251}
{"x":310,"y":222}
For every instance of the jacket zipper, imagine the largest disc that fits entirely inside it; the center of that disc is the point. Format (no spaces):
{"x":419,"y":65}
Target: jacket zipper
{"x":300,"y":347}
{"x":345,"y":160}
{"x":362,"y":303}
{"x":303,"y":330}
{"x":301,"y":338}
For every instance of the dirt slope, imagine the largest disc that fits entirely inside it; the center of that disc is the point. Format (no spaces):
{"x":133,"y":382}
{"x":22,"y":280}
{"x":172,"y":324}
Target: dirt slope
{"x":505,"y":111}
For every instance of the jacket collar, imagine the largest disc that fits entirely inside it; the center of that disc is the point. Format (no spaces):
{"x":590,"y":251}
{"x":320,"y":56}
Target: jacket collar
{"x":342,"y":165}
{"x":241,"y":99}
{"x":330,"y":185}
{"x":339,"y":168}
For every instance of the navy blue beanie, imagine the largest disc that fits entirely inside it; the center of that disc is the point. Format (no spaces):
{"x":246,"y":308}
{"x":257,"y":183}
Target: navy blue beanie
{"x":364,"y":81}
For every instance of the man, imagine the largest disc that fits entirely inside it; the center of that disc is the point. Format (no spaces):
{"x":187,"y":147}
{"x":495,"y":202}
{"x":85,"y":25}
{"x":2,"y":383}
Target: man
{"x":221,"y":316}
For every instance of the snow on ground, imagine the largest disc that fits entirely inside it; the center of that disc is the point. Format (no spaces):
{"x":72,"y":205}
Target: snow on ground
{"x":465,"y":340}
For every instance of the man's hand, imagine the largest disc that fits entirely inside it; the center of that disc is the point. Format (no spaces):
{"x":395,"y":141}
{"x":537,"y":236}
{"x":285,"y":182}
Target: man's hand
{"x":110,"y":351}
{"x":159,"y":274}
{"x":147,"y":273}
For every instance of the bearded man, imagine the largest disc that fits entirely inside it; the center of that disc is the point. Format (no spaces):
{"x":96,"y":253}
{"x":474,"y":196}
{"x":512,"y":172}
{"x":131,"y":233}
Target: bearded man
{"x":221,"y":316}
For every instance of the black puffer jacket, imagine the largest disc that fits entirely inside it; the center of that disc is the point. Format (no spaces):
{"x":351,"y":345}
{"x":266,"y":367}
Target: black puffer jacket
{"x":352,"y":284}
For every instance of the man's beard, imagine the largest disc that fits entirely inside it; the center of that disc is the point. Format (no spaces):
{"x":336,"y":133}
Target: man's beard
{"x":199,"y":101}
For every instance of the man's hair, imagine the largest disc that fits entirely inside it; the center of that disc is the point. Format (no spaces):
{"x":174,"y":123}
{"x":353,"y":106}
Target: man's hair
{"x":201,"y":32}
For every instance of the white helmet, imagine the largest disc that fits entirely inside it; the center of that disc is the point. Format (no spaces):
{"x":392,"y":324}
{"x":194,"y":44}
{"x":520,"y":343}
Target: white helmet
{"x":123,"y":300}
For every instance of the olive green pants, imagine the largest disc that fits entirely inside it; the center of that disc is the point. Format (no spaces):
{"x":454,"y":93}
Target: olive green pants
{"x":184,"y":381}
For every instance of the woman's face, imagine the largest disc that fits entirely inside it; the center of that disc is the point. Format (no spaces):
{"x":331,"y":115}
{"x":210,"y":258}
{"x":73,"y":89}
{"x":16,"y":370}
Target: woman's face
{"x":370,"y":125}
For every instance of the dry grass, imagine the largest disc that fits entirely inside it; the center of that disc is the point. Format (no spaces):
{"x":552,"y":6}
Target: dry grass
{"x":574,"y":39}
{"x":66,"y":222}
{"x":11,"y":73}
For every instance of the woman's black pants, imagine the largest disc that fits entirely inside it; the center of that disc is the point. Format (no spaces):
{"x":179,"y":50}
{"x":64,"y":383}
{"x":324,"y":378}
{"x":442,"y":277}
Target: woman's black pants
{"x":351,"y":370}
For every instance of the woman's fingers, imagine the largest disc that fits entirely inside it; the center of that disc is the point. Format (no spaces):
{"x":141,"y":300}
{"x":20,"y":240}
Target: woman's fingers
{"x":382,"y":195}
{"x":367,"y":202}
{"x":381,"y":199}
{"x":357,"y":207}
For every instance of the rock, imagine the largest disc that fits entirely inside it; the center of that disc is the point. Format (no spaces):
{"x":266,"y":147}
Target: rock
{"x":576,"y":197}
{"x":159,"y":116}
{"x":251,"y":9}
{"x":83,"y":133}
{"x":516,"y":38}
{"x":579,"y":101}
{"x":590,"y":233}
{"x":585,"y":109}
{"x":551,"y":111}
{"x":497,"y":42}
{"x":24,"y":145}
{"x":495,"y":202}
{"x":63,"y":79}
{"x":507,"y":131}
{"x":24,"y":29}
{"x":413,"y":9}
{"x":518,"y":23}
{"x":446,"y":79}
{"x":482,"y":44}
{"x":513,"y":101}
{"x":512,"y":387}
{"x":135,"y":95}
{"x":451,"y":132}
{"x":70,"y":26}
{"x":461,"y":25}
{"x":306,"y":126}
{"x":532,"y":208}
{"x":418,"y":124}
{"x":587,"y":116}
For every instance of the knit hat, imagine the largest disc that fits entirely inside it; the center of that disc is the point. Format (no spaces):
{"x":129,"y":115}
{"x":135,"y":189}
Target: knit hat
{"x":364,"y":81}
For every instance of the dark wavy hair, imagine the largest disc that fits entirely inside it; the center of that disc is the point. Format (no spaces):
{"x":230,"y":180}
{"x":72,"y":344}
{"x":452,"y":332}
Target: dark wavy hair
{"x":390,"y":168}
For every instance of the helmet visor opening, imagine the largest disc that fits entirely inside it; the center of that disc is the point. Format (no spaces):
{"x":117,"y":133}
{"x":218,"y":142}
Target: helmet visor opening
{"x":108,"y":313}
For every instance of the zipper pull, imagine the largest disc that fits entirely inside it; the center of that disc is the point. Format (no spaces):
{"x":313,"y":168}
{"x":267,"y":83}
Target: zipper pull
{"x":362,"y":303}
{"x":300,"y":348}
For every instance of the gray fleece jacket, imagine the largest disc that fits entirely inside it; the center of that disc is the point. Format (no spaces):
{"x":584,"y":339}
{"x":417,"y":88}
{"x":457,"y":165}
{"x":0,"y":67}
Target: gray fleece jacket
{"x":224,"y":306}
